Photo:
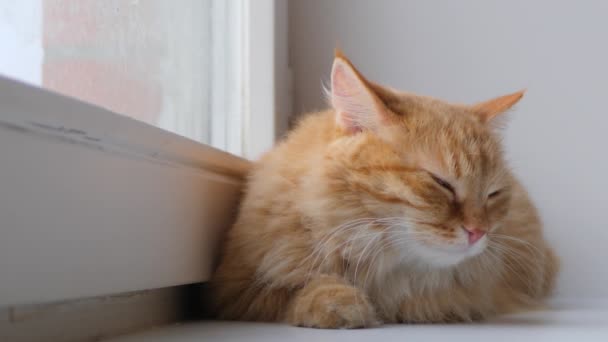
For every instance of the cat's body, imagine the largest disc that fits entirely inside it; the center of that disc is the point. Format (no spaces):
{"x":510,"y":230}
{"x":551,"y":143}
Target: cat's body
{"x":347,"y":222}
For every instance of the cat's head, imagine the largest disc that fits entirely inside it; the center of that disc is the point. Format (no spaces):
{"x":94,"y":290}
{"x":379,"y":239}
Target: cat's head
{"x":430,"y":173}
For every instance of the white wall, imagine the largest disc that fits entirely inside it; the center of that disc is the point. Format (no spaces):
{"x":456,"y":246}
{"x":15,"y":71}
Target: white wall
{"x":475,"y":49}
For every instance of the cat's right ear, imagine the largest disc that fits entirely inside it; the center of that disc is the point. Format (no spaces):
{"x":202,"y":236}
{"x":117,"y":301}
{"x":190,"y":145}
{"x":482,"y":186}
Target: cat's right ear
{"x":357,"y":107}
{"x":488,"y":110}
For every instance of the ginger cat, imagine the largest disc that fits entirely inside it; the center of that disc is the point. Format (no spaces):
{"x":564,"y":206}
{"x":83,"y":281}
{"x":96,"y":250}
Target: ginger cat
{"x":389,"y":207}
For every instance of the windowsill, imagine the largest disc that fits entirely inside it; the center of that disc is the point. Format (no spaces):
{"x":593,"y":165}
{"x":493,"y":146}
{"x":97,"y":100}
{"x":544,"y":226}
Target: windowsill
{"x":95,"y":203}
{"x":565,"y":322}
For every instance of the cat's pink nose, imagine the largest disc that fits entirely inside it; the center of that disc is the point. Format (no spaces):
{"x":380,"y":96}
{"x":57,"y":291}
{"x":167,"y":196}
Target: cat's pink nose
{"x":474,"y":234}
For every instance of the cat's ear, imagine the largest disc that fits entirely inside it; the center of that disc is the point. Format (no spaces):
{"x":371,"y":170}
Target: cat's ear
{"x":357,"y":106}
{"x":487,"y":111}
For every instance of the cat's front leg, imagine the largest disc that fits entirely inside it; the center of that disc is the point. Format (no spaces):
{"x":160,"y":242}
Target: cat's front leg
{"x":329,"y":302}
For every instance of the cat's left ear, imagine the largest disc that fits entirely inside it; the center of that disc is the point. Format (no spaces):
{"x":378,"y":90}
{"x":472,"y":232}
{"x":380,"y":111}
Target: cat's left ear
{"x":357,"y":106}
{"x":487,"y":111}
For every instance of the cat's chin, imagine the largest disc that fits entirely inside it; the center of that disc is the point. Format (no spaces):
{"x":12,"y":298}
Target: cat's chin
{"x":445,"y":256}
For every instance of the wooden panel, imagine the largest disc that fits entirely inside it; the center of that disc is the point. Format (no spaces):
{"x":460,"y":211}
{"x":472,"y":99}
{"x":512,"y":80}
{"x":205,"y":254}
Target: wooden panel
{"x":94,"y":203}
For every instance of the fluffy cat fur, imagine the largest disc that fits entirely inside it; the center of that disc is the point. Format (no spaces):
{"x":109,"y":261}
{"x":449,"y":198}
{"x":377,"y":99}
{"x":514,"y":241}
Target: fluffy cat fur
{"x":388,"y":207}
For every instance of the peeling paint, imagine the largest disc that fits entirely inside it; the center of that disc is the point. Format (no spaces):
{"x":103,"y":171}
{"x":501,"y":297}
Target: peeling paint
{"x":63,"y":130}
{"x":12,"y":127}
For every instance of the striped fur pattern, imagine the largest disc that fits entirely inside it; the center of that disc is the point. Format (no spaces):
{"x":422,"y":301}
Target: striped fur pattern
{"x":358,"y":218}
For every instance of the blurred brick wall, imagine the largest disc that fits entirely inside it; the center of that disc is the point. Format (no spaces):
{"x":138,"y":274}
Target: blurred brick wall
{"x":103,"y":52}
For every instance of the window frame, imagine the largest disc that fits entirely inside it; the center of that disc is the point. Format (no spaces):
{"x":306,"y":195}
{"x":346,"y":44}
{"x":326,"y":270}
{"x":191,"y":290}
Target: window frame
{"x":268,"y":77}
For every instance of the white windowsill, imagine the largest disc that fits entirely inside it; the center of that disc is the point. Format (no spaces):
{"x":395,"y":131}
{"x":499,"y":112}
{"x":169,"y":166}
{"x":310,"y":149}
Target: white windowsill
{"x":572,"y":321}
{"x":95,"y":203}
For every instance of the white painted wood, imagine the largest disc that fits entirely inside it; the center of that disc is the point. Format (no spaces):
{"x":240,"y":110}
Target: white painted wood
{"x":283,"y":74}
{"x":259,"y":78}
{"x":94,"y":203}
{"x":267,"y":75}
{"x":227,"y":69}
{"x":93,"y":319}
{"x":574,"y":322}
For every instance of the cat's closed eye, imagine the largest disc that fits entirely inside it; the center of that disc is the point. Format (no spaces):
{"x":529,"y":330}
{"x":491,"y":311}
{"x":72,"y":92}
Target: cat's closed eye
{"x":444,"y":184}
{"x":494,"y":194}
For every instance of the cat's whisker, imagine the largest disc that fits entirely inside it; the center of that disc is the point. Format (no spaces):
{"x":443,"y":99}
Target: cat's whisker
{"x":357,"y":236}
{"x":494,"y":254}
{"x":518,"y":259}
{"x":357,"y":268}
{"x":343,"y":227}
{"x":350,"y":240}
{"x":517,"y":274}
{"x":527,"y":265}
{"x":518,"y":255}
{"x":528,"y":245}
{"x":362,"y":255}
{"x":318,"y":249}
{"x":382,"y":248}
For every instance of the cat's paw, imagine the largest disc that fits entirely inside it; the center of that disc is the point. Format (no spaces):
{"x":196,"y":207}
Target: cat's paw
{"x":333,"y":307}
